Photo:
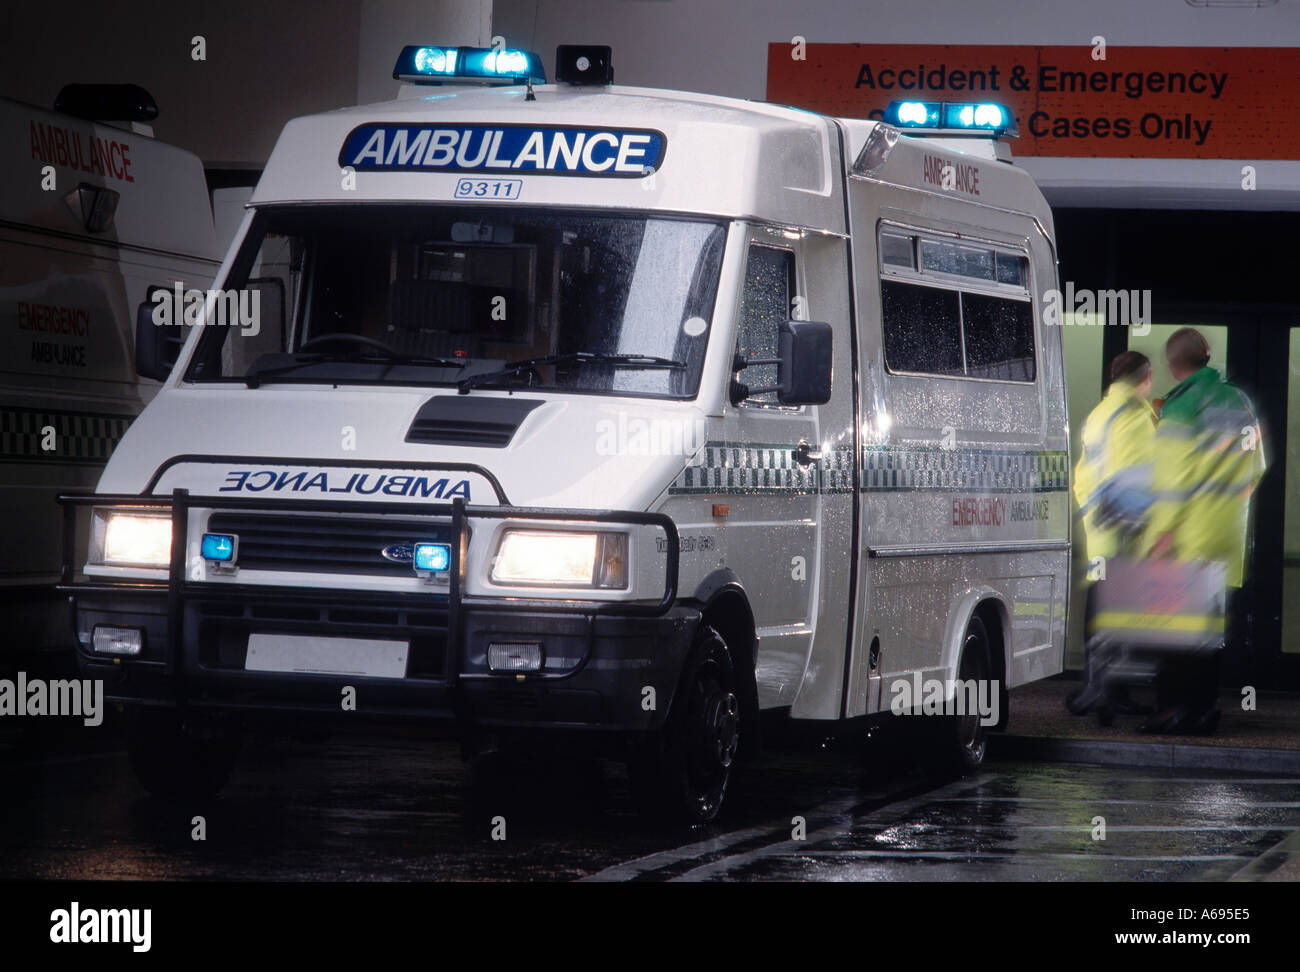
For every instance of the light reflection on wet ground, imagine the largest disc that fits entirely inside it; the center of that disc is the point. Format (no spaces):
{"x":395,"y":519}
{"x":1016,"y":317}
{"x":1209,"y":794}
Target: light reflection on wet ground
{"x":370,"y":807}
{"x":1037,"y":823}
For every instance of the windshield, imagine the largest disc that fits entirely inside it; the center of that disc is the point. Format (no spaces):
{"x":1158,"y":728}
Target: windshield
{"x":434,"y":295}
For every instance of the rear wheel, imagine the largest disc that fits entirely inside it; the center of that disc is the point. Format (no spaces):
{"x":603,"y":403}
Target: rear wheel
{"x":683,"y":773}
{"x":180,"y":758}
{"x":960,"y":740}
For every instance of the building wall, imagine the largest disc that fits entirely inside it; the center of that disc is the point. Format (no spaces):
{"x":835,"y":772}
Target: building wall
{"x":265,"y":62}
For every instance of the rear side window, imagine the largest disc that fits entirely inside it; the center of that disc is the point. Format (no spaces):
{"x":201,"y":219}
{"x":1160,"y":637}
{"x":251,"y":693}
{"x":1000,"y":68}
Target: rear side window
{"x":999,"y":337}
{"x":961,"y":309}
{"x":922,"y":328}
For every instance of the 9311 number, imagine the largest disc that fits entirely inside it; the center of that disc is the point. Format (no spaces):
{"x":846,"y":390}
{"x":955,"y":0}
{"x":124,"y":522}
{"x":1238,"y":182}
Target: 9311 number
{"x":488,"y":188}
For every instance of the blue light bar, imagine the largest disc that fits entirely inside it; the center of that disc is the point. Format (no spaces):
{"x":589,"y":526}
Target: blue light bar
{"x":953,"y":116}
{"x":914,"y":114}
{"x":432,"y":557}
{"x":436,"y":65}
{"x":218,"y":546}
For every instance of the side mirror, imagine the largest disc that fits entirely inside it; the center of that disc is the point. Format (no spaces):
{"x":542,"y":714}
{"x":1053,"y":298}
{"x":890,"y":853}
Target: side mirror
{"x":803,"y":367}
{"x":157,"y":346}
{"x":804,"y":371}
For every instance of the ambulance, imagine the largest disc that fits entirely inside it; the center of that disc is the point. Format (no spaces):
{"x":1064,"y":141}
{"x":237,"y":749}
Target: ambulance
{"x":599,"y":415}
{"x":93,"y":211}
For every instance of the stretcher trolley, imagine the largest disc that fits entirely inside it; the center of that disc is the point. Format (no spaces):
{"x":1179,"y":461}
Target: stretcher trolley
{"x":1147,"y":612}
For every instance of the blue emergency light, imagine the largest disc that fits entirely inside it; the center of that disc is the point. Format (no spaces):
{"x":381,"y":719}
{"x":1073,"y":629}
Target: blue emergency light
{"x":434,"y":557}
{"x":437,"y":65}
{"x":218,"y":547}
{"x":953,"y":116}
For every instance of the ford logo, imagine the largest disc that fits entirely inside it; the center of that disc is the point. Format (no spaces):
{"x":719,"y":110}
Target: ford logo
{"x":402,"y":552}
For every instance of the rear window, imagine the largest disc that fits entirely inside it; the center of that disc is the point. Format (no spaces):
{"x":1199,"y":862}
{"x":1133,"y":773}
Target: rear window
{"x":955,"y":308}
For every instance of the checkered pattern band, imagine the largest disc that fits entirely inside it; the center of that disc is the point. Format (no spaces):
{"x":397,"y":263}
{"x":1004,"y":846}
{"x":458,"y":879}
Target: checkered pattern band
{"x":734,"y":468}
{"x":79,"y":437}
{"x":973,"y":470}
{"x":753,"y":468}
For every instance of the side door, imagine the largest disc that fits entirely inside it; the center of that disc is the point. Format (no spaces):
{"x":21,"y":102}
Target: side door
{"x":787,"y":475}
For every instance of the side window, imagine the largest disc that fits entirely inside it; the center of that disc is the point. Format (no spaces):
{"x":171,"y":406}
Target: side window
{"x":955,"y":309}
{"x":922,"y":328}
{"x":765,"y":305}
{"x":258,"y":315}
{"x":999,"y":337}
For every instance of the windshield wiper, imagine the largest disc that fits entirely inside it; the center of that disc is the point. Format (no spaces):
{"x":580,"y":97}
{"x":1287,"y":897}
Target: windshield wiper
{"x":579,"y":357}
{"x":255,"y":378}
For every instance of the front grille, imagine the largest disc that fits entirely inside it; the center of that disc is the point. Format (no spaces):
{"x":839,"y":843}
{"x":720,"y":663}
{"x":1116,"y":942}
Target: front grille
{"x":323,"y":544}
{"x":223,"y":628}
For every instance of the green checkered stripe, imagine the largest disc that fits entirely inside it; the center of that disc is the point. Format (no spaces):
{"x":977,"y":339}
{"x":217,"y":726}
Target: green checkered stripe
{"x":836,"y":467}
{"x":977,"y":470}
{"x":82,"y":437}
{"x":725,"y":467}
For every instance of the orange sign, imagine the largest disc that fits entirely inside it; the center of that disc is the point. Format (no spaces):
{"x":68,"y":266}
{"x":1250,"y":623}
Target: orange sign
{"x":1134,"y":102}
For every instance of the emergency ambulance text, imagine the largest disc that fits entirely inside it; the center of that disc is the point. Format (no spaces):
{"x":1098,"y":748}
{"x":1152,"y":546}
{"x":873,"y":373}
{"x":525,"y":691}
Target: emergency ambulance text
{"x":984,"y":511}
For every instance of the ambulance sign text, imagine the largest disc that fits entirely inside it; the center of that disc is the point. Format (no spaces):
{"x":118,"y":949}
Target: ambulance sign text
{"x":542,"y":149}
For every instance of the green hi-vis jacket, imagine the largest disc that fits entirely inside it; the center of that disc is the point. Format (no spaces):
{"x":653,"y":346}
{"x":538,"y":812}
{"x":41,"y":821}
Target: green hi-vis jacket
{"x":1112,"y":480}
{"x":1208,"y":459}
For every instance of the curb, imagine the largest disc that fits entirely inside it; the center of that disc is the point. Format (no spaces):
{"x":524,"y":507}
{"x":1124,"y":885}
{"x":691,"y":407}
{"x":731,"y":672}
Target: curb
{"x":1156,"y":754}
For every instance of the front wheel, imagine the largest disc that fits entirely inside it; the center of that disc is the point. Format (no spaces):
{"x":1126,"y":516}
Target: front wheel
{"x":683,"y":774}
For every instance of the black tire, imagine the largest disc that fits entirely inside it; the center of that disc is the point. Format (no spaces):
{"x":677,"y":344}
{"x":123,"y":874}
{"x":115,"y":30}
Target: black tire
{"x":682,"y":774}
{"x":958,"y":742}
{"x":175,"y":758}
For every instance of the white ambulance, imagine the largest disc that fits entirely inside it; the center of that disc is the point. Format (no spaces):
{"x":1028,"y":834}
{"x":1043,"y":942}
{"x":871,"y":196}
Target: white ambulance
{"x":596,"y":412}
{"x":92,"y":214}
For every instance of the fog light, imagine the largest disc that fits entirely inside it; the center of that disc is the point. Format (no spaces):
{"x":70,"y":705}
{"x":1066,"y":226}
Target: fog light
{"x":117,"y":641}
{"x":517,"y":657}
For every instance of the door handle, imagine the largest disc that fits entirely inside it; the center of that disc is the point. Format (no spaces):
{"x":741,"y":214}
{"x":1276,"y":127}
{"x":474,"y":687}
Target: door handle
{"x":804,"y":454}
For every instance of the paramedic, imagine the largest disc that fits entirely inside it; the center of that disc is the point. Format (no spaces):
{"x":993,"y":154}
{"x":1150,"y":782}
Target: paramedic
{"x":1208,"y":459}
{"x":1112,"y":486}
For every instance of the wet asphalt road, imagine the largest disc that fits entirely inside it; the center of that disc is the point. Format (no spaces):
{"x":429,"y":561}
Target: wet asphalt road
{"x":374,"y":807}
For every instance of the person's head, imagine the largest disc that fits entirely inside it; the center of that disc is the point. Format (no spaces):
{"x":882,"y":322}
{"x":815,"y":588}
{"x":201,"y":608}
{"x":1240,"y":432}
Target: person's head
{"x":1132,"y":368}
{"x":1187,"y":352}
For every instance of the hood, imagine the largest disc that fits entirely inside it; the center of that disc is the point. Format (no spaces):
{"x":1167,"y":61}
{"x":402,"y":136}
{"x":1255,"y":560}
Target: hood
{"x":300,"y":442}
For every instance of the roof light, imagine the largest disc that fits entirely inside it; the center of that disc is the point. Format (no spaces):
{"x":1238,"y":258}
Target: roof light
{"x":435,"y":60}
{"x":107,"y":102}
{"x":923,"y":113}
{"x":953,"y":116}
{"x":437,"y":65}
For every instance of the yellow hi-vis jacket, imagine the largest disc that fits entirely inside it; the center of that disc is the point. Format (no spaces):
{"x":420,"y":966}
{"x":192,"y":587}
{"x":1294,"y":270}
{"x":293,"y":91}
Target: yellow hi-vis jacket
{"x":1208,"y":459}
{"x":1112,"y":481}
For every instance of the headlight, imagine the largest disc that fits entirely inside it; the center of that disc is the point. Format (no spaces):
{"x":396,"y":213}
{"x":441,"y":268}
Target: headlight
{"x":595,"y":559}
{"x":131,"y":538}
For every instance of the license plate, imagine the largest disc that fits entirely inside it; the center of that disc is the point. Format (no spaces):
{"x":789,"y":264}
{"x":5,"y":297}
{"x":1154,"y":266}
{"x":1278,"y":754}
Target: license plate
{"x":326,"y":656}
